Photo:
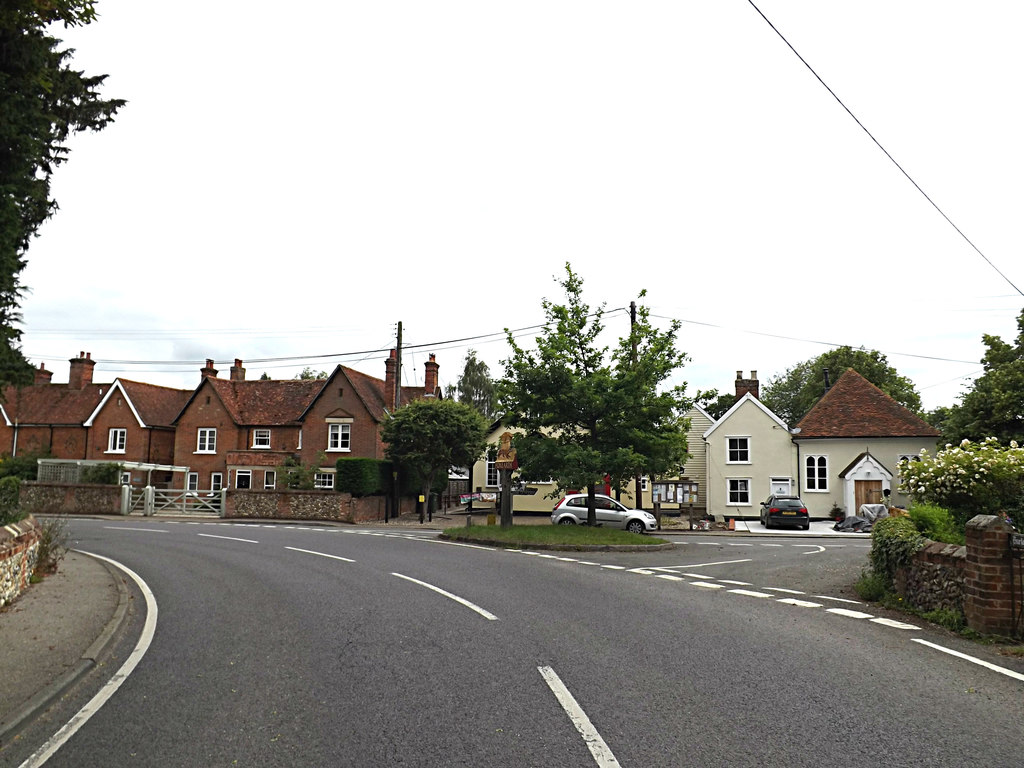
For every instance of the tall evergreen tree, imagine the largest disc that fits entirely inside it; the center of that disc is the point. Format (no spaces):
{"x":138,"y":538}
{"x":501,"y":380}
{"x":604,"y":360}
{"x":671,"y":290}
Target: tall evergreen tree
{"x":42,"y":102}
{"x":476,"y":387}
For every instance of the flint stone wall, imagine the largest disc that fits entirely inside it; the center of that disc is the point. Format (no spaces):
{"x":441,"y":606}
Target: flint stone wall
{"x":19,"y":554}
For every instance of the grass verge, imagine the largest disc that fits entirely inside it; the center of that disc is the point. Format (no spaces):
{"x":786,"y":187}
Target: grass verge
{"x":567,"y":536}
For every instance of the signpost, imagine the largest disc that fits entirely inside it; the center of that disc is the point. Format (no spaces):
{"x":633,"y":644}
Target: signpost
{"x":505,"y":463}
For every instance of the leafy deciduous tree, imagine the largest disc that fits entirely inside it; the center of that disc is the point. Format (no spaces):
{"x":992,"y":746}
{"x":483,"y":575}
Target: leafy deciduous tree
{"x":584,"y":416}
{"x":42,"y":102}
{"x":994,"y":406}
{"x":792,"y":394}
{"x":431,"y":435}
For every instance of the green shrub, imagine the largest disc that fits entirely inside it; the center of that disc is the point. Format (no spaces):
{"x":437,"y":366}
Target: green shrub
{"x":936,"y":523}
{"x":362,"y":477}
{"x":23,"y":467}
{"x":101,"y":474}
{"x":870,"y":586}
{"x":10,"y":492}
{"x":894,"y":540}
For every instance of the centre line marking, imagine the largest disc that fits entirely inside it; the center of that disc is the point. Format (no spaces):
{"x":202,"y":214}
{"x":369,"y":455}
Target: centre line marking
{"x":799,"y":603}
{"x":126,"y":528}
{"x":460,"y":600}
{"x":321,"y":554}
{"x":598,"y":748}
{"x":848,"y":612}
{"x":750,"y":593}
{"x":229,"y":538}
{"x":980,"y":662}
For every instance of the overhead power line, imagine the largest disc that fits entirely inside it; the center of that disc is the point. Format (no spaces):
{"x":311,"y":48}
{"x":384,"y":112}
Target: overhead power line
{"x":879,"y":145}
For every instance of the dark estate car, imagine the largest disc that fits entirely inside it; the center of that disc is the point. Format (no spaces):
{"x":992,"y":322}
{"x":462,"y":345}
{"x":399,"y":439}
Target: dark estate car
{"x":784,"y":510}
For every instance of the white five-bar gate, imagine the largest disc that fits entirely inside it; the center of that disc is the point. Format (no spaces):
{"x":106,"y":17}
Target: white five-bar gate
{"x":150,"y":501}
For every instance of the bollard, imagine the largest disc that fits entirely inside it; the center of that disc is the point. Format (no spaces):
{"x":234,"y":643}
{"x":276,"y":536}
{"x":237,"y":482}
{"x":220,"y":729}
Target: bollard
{"x":491,"y":519}
{"x":469,"y":520}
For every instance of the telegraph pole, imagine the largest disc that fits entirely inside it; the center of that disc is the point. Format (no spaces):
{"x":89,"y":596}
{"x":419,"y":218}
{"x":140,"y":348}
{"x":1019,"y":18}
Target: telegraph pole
{"x":396,"y":496}
{"x":638,"y":496}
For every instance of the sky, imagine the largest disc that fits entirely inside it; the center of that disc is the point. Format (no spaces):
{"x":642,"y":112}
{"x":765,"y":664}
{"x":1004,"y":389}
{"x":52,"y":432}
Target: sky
{"x":288,"y":183}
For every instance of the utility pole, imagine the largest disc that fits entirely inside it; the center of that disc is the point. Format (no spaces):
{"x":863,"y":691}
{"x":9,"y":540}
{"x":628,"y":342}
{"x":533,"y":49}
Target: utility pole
{"x":638,"y":496}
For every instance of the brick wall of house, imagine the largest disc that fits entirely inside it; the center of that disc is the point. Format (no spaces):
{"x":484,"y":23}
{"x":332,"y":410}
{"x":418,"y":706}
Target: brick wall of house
{"x":339,"y":401}
{"x":116,"y":414}
{"x":206,"y":411}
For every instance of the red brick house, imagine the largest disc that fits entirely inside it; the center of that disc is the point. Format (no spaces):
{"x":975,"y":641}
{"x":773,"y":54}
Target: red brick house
{"x":124,"y":421}
{"x":236,"y":433}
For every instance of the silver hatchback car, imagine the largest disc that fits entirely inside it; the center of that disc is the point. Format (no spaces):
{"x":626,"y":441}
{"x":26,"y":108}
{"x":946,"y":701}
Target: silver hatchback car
{"x":572,"y":510}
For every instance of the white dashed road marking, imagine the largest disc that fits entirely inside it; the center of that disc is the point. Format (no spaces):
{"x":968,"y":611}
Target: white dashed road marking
{"x":799,"y":603}
{"x":849,"y":613}
{"x":751,"y":593}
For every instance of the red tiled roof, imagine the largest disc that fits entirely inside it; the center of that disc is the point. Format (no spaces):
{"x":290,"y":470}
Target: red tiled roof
{"x":157,"y":406}
{"x":854,"y":407}
{"x":52,"y":403}
{"x":266,"y":402}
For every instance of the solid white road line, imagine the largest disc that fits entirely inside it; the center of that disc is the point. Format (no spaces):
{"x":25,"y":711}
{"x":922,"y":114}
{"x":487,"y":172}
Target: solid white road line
{"x":461,"y":601}
{"x":973,"y":660}
{"x":229,"y":538}
{"x":598,"y":748}
{"x":321,"y":554}
{"x":81,"y":717}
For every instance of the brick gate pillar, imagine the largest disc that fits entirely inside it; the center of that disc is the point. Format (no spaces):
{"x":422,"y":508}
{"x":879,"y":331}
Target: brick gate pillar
{"x":988,"y":606}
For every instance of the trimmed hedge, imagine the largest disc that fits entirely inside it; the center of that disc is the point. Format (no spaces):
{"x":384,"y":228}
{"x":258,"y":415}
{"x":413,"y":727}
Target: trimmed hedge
{"x":10,"y":495}
{"x":362,"y":477}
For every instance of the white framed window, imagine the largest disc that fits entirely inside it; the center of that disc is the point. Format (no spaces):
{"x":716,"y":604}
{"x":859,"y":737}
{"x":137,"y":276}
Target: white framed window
{"x":908,"y":457}
{"x":323,"y":480}
{"x":116,"y":440}
{"x":339,"y":437}
{"x":816,"y":477}
{"x":206,"y":441}
{"x":216,"y":481}
{"x":781,"y":486}
{"x":492,"y":473}
{"x":645,"y":484}
{"x":126,"y":478}
{"x":738,"y":491}
{"x":269,"y":480}
{"x":737,"y":450}
{"x":192,"y":481}
{"x":243,"y":479}
{"x":261,"y":438}
{"x":299,"y":446}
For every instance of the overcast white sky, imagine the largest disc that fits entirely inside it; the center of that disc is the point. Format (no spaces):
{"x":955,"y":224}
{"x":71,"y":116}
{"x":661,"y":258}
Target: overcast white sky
{"x":292,"y":181}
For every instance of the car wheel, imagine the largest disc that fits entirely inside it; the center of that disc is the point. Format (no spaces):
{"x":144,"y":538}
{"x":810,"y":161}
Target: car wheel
{"x":567,"y":521}
{"x":635,"y":526}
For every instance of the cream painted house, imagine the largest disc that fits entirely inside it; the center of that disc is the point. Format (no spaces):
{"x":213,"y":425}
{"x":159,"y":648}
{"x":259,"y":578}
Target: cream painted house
{"x":851,"y":443}
{"x":750,"y":455}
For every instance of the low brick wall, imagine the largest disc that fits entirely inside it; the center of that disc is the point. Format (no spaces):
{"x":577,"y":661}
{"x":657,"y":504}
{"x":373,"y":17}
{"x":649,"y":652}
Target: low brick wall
{"x":19,"y":553}
{"x":55,"y":499}
{"x":934,"y":580}
{"x":308,"y":505}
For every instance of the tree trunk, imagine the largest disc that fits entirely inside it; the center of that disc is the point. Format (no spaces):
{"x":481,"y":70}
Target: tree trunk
{"x":591,"y":506}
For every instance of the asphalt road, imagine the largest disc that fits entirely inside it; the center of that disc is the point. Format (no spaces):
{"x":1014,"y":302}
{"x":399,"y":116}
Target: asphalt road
{"x":282,"y":646}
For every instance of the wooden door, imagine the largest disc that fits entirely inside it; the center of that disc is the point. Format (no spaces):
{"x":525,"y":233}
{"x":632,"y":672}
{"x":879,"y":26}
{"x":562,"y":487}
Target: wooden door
{"x":866,"y":492}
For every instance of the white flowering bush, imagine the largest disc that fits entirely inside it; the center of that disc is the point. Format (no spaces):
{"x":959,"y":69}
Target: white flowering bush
{"x":969,"y":479}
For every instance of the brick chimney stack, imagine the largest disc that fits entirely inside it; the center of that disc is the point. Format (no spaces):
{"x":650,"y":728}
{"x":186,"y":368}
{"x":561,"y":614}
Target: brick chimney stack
{"x":237,"y":371}
{"x":430,"y":377}
{"x":209,"y":372}
{"x":389,"y":378}
{"x":81,"y":371}
{"x":750,"y":385}
{"x":42,"y":376}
